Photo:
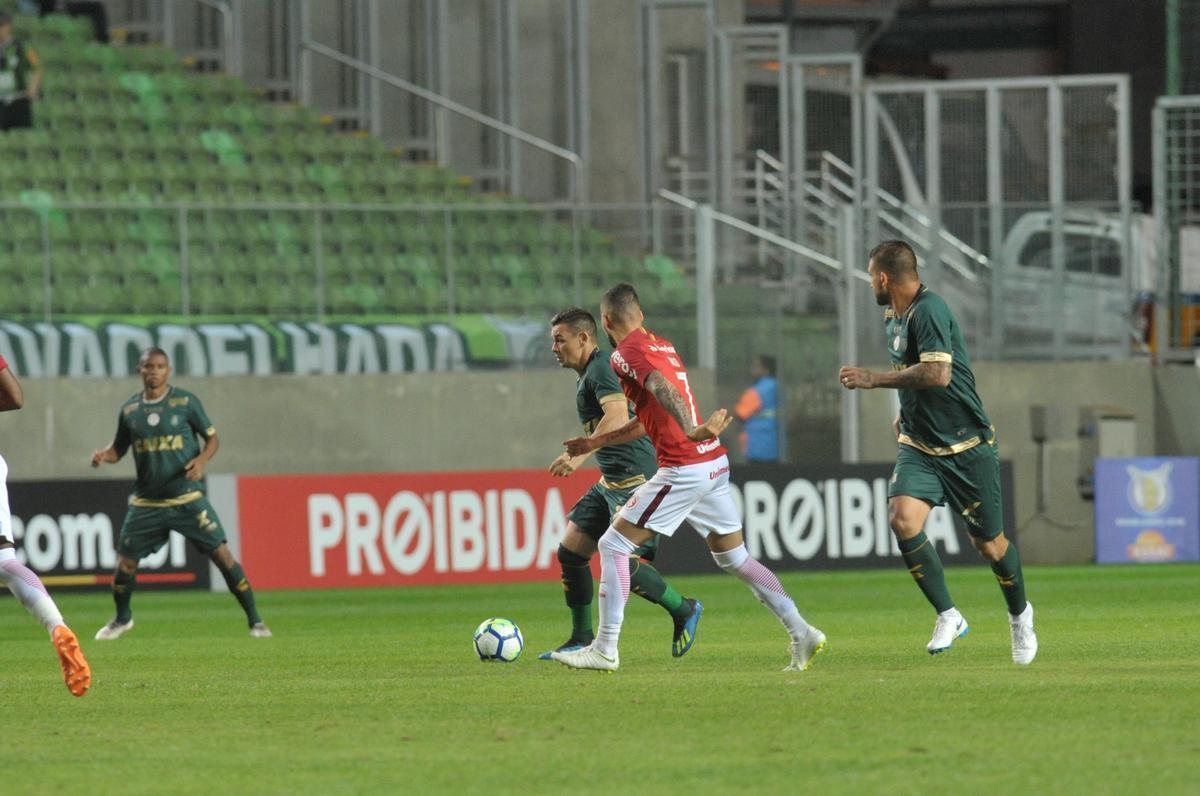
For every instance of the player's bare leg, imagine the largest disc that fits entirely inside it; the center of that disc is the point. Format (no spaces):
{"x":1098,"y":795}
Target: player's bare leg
{"x":907,"y":516}
{"x":1006,"y":565}
{"x":239,"y":586}
{"x":729,"y":551}
{"x":27,"y":587}
{"x":124,"y":582}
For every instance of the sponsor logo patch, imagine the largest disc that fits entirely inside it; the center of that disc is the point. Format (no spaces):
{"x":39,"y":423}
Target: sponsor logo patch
{"x":622,"y":367}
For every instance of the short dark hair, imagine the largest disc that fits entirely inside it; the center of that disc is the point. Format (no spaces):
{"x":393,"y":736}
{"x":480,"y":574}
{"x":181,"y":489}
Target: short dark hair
{"x":5,"y":18}
{"x":579,"y":319}
{"x":153,"y":351}
{"x":895,"y":258}
{"x":620,"y":300}
{"x":768,"y":364}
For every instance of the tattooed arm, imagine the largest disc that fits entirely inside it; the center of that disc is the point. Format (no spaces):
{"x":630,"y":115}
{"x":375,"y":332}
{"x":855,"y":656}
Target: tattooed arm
{"x":670,"y":399}
{"x":921,"y":376}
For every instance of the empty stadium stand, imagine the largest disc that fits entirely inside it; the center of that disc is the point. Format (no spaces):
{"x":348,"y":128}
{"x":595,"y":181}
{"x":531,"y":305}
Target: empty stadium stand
{"x":124,"y":136}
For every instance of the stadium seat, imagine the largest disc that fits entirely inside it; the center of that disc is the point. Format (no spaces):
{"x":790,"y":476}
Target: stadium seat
{"x":131,"y":124}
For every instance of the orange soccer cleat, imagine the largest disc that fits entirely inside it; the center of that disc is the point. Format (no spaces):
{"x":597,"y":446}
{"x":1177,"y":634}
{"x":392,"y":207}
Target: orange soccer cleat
{"x":76,"y":672}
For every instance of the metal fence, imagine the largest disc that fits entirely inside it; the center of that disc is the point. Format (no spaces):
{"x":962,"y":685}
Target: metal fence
{"x":315,"y":260}
{"x":1018,"y":196}
{"x":1176,"y":281}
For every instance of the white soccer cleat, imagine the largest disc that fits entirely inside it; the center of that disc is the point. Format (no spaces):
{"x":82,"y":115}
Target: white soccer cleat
{"x":587,"y":658}
{"x":260,"y":630}
{"x":950,"y":625}
{"x":1024,"y":640}
{"x":804,"y":650}
{"x":113,"y":630}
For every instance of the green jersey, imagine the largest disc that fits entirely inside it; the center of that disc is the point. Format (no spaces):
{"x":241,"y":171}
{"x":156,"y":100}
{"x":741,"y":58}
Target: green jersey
{"x":622,"y":466}
{"x":941,"y":420}
{"x":16,"y":63}
{"x":162,"y":434}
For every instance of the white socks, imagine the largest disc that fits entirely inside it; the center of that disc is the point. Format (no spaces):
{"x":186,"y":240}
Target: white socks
{"x":615,"y":551}
{"x":25,"y":585}
{"x":766,"y":588}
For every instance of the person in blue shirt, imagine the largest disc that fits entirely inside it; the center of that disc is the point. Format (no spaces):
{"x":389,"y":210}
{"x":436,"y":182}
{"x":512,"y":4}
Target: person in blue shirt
{"x":757,"y":411}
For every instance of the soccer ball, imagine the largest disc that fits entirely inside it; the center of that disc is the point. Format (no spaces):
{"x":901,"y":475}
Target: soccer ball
{"x":498,"y":640}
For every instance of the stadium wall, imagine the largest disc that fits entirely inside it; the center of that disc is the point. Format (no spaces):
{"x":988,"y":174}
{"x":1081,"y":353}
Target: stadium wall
{"x":1177,"y":432}
{"x":506,"y":419}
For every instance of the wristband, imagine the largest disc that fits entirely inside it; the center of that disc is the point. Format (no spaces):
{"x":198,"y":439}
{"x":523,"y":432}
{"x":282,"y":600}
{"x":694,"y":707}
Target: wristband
{"x":3,"y":362}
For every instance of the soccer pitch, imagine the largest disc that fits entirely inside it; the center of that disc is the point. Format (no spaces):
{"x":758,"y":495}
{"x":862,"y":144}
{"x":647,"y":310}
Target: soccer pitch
{"x":379,"y":691}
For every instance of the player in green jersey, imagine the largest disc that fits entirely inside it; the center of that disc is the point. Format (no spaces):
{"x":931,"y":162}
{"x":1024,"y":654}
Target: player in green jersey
{"x":947,"y":446}
{"x":602,"y":407}
{"x":161,"y":424}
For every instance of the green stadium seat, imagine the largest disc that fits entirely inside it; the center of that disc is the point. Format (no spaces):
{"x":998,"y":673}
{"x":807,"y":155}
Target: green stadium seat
{"x":131,"y":124}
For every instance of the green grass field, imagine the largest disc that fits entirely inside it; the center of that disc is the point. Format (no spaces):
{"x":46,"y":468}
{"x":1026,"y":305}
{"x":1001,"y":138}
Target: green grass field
{"x":380,"y":692}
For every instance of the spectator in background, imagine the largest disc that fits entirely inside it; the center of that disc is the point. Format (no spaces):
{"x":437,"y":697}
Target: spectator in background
{"x":20,"y":78}
{"x":757,"y":411}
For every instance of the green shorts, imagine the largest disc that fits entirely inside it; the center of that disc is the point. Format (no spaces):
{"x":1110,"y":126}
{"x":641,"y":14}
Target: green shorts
{"x":594,"y":512}
{"x":969,"y":482}
{"x":146,"y":528}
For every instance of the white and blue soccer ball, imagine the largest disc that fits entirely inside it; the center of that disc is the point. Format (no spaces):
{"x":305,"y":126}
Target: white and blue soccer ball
{"x":498,"y":639}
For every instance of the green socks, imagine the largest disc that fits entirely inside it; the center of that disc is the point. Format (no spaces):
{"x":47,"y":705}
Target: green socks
{"x":235,"y":579}
{"x":646,"y":582}
{"x":577,"y":585}
{"x":1012,"y":582}
{"x":123,"y":585}
{"x":926,"y":568}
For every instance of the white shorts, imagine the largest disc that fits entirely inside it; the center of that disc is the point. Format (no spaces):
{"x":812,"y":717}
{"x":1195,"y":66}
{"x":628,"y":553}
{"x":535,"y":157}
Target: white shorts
{"x":698,"y":493}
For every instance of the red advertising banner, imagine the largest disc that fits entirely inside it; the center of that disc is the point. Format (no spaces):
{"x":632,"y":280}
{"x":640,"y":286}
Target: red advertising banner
{"x":399,"y":529}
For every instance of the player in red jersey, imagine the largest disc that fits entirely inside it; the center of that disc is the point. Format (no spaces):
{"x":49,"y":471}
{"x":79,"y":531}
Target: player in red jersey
{"x":23,"y":582}
{"x":692,"y":483}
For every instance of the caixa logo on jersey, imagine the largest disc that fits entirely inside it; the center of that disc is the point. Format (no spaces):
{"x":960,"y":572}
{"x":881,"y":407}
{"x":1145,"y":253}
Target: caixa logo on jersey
{"x":66,"y":531}
{"x":622,"y":366}
{"x":827,"y":517}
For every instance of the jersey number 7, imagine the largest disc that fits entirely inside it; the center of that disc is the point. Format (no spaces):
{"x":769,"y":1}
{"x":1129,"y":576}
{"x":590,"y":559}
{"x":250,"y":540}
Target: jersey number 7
{"x":687,"y":390}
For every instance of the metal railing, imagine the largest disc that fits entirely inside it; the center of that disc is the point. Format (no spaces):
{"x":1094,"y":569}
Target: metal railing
{"x":307,"y":45}
{"x":230,"y":46}
{"x":303,"y":236}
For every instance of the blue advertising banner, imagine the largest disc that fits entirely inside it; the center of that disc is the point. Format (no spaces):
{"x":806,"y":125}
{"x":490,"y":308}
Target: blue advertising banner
{"x":1147,"y":510}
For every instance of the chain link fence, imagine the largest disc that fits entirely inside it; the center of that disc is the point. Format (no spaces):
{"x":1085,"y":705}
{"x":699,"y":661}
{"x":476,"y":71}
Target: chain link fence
{"x":1176,"y":287}
{"x":1016,"y":195}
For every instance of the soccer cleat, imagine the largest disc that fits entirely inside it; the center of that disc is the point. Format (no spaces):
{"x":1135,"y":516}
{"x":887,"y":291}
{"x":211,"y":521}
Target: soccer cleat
{"x":587,"y":658}
{"x":1024,"y":640}
{"x":113,"y":630}
{"x":76,"y":672}
{"x":260,"y":630}
{"x":804,"y":651}
{"x":949,"y":626}
{"x":685,"y":629}
{"x":570,"y":645}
